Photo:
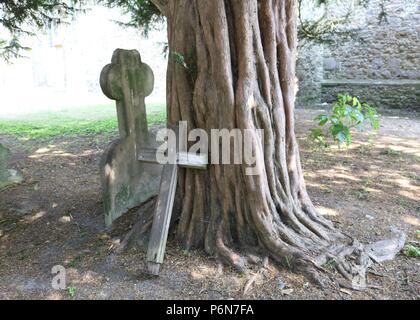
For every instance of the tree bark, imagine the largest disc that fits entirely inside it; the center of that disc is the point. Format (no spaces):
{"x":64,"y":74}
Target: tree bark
{"x":238,"y":71}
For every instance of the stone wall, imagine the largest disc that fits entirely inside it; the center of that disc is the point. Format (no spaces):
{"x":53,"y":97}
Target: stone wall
{"x":393,"y":93}
{"x":379,"y":62}
{"x":310,"y":73}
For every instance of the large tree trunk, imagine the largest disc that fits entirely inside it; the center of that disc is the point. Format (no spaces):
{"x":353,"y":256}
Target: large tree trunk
{"x":239,"y":72}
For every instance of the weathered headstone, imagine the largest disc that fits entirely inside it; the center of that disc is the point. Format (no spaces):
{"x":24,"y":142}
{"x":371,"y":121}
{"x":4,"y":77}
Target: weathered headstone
{"x":127,"y":182}
{"x":7,"y":176}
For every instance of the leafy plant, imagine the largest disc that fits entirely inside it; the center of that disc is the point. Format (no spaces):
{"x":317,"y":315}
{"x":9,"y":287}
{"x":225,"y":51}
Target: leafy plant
{"x":180,"y":59}
{"x":411,"y":251}
{"x":187,"y":62}
{"x":346,"y":113}
{"x":186,"y":253}
{"x":71,"y":291}
{"x":330,"y":265}
{"x":24,"y":18}
{"x":75,"y":261}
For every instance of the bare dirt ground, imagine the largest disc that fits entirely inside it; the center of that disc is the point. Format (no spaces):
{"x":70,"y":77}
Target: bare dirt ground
{"x":55,"y":218}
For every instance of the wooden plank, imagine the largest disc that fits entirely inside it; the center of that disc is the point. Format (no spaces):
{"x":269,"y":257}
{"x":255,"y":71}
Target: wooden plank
{"x":185,"y":159}
{"x":164,"y":204}
{"x":192,"y":160}
{"x":162,"y":218}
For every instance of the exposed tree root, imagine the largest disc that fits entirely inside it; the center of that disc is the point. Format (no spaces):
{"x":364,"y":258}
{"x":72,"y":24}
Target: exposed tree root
{"x":351,"y":259}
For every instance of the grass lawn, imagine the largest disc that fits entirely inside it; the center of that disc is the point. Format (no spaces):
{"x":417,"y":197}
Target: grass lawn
{"x":74,"y":121}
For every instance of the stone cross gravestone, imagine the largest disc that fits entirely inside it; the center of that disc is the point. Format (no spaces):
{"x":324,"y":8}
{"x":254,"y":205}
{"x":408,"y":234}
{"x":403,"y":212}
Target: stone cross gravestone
{"x":126,"y":182}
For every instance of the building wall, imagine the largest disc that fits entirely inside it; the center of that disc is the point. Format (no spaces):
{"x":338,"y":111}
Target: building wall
{"x":310,"y":72}
{"x":380,"y":63}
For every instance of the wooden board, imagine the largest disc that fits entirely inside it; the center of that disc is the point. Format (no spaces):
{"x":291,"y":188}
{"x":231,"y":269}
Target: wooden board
{"x":162,"y":218}
{"x":192,"y":161}
{"x":165,"y":201}
{"x":184,"y":159}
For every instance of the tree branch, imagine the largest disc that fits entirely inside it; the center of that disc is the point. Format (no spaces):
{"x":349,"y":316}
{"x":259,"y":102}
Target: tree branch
{"x":162,"y":5}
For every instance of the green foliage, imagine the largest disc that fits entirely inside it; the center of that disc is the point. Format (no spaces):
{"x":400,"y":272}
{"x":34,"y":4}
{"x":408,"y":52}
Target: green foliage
{"x":24,"y":17}
{"x":71,"y":291}
{"x":330,"y":265}
{"x":289,"y":261}
{"x":33,"y":13}
{"x":186,"y":253}
{"x":75,"y":261}
{"x":187,"y":62}
{"x":179,"y":59}
{"x":383,"y":15}
{"x":346,"y":113}
{"x":411,"y":251}
{"x":11,"y":48}
{"x":142,"y":13}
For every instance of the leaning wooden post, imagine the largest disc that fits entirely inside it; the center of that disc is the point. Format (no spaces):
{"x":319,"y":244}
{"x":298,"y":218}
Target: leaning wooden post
{"x":165,"y":200}
{"x":162,"y":218}
{"x":163,"y":212}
